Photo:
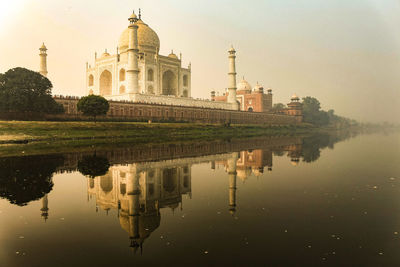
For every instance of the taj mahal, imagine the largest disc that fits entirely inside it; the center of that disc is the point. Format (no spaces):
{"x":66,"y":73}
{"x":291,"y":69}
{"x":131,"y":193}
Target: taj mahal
{"x":137,"y":67}
{"x":141,"y":84}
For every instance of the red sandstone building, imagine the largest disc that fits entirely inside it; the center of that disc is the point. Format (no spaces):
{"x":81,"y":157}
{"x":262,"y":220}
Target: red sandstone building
{"x":253,"y":100}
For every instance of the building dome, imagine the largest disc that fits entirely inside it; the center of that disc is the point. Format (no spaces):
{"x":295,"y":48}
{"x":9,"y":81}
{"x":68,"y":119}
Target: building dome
{"x":244,"y":86}
{"x":258,"y":88}
{"x":105,"y":54}
{"x":172,"y":55}
{"x":295,"y":97}
{"x":43,"y":47}
{"x":147,"y":38}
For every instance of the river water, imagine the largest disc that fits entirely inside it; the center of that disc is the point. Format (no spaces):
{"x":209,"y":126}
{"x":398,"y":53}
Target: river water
{"x":316,"y":200}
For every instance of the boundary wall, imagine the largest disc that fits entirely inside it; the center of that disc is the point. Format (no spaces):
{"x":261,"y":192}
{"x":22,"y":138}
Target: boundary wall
{"x":127,"y":110}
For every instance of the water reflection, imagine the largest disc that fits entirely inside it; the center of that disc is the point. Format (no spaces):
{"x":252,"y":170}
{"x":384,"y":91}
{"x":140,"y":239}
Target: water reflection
{"x":93,"y":165}
{"x":138,"y":192}
{"x":24,"y":179}
{"x":139,"y":181}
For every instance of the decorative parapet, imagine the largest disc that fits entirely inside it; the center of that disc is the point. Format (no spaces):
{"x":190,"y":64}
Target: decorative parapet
{"x":173,"y":101}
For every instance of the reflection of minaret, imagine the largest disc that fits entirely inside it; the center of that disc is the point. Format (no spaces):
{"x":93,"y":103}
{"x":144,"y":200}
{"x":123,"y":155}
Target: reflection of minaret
{"x":133,"y":191}
{"x":45,"y":209}
{"x":232,"y":182}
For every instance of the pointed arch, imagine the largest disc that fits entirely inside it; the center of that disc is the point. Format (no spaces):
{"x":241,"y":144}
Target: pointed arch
{"x":122,"y":75}
{"x":185,"y":80}
{"x":169,"y":84}
{"x":150,"y":75}
{"x":105,"y":83}
{"x":91,"y":80}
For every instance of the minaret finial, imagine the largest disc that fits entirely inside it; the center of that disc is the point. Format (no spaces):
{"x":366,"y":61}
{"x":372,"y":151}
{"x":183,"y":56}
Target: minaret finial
{"x":140,"y":14}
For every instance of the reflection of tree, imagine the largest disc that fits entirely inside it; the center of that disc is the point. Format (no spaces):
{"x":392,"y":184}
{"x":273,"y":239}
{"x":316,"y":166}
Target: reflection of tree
{"x":24,"y":179}
{"x":93,"y":166}
{"x":311,"y":146}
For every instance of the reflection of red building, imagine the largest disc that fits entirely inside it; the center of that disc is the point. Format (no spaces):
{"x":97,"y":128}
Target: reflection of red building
{"x":249,"y":99}
{"x":251,"y":162}
{"x":294,"y":153}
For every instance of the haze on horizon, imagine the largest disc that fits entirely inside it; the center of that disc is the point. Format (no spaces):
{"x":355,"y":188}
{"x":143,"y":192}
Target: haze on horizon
{"x":344,"y":53}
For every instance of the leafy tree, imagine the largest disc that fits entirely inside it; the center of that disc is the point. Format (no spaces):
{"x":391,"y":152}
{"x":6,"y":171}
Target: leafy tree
{"x":23,"y":90}
{"x":312,"y":113}
{"x":93,"y":105}
{"x":93,"y":166}
{"x":278,"y":107}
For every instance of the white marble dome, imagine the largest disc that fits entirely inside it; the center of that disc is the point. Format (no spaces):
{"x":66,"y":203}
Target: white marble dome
{"x":258,"y":88}
{"x":147,"y":38}
{"x":244,"y":86}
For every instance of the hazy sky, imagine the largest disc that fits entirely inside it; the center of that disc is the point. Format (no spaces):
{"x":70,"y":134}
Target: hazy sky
{"x":346,"y":53}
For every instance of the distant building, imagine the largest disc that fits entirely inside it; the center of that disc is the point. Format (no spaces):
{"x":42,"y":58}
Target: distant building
{"x":295,"y":108}
{"x":249,"y":99}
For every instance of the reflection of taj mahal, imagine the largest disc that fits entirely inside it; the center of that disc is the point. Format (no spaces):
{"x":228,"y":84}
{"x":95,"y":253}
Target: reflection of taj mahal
{"x":137,"y":67}
{"x":138,"y":193}
{"x":139,"y":190}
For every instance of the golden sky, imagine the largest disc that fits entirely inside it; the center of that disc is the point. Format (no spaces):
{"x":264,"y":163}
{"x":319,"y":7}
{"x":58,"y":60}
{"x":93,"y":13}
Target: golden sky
{"x":345,"y":53}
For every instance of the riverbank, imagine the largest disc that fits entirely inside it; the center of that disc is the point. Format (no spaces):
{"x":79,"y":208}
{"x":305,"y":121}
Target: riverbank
{"x":35,"y":137}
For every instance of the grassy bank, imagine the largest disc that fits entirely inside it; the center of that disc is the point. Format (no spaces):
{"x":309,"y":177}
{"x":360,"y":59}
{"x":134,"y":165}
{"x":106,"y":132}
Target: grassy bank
{"x":21,"y":137}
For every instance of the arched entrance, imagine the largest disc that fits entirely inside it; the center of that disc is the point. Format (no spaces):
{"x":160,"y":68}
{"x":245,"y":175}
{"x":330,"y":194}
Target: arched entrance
{"x":169,"y":84}
{"x":169,"y":180}
{"x":106,"y":183}
{"x":105,"y":83}
{"x":250,"y":109}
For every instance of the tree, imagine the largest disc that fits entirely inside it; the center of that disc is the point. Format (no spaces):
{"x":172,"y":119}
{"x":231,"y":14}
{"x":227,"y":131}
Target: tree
{"x":312,"y":112}
{"x":278,"y":107}
{"x":93,"y":105}
{"x":23,"y":90}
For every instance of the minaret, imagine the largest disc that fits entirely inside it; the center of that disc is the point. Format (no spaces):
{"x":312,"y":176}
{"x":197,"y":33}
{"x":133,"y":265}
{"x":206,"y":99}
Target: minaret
{"x":232,"y":182}
{"x":133,"y":191}
{"x":45,"y":208}
{"x":43,"y":60}
{"x":232,"y":77}
{"x":132,"y":69}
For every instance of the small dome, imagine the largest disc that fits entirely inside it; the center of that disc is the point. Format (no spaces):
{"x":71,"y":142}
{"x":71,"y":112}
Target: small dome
{"x":258,"y":88}
{"x":232,"y":49}
{"x":243,"y":174}
{"x":256,"y":172}
{"x":105,"y":54}
{"x":295,"y":97}
{"x":294,"y":163}
{"x":172,"y":55}
{"x":43,"y":47}
{"x":147,"y":38}
{"x":244,"y":86}
{"x":132,"y":17}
